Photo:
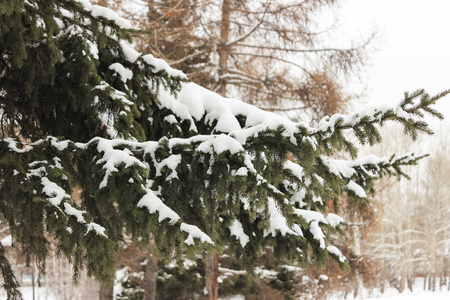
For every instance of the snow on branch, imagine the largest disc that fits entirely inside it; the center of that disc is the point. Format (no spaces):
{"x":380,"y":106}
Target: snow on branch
{"x":106,"y":13}
{"x":409,"y":112}
{"x":234,"y":125}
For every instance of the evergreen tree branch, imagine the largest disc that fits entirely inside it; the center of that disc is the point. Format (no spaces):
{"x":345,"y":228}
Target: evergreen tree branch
{"x":407,"y":113}
{"x":10,"y":283}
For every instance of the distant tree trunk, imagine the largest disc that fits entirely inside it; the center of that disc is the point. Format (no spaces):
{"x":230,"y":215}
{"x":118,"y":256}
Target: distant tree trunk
{"x":383,"y":263}
{"x":357,"y":249}
{"x":442,"y":281}
{"x":212,"y":273}
{"x":401,"y":284}
{"x":223,"y":50}
{"x":410,"y":282}
{"x":151,"y":273}
{"x":212,"y":260}
{"x":106,"y":291}
{"x":433,"y":282}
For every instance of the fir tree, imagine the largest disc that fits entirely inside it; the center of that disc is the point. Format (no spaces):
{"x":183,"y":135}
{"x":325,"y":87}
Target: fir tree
{"x":157,"y":157}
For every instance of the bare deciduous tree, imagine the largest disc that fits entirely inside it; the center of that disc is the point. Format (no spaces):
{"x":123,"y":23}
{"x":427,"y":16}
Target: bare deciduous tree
{"x":275,"y":54}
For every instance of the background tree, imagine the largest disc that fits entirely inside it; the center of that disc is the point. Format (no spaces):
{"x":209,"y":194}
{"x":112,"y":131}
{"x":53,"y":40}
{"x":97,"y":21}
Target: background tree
{"x":276,"y":55}
{"x":414,"y":225}
{"x":436,"y":225}
{"x":158,"y":157}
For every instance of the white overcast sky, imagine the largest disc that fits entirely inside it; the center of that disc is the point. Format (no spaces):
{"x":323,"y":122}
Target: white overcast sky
{"x":413,"y":50}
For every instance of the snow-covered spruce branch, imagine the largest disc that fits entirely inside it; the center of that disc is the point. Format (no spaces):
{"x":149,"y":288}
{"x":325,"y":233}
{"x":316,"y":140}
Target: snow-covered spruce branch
{"x":409,"y":113}
{"x":241,"y":143}
{"x":112,"y":154}
{"x":362,"y":172}
{"x":113,"y":159}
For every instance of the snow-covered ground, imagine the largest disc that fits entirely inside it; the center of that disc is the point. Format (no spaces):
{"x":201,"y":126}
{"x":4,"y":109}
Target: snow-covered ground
{"x":27,"y":292}
{"x":390,"y":294}
{"x":416,"y":295}
{"x":393,"y":294}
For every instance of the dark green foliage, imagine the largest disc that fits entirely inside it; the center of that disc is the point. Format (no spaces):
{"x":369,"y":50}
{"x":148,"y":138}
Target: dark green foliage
{"x":10,"y":283}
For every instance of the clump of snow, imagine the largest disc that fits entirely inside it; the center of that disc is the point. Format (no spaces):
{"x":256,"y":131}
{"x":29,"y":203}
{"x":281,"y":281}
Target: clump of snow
{"x":310,"y":215}
{"x":357,"y":189}
{"x":124,"y":73}
{"x":130,"y":54}
{"x":298,"y":197}
{"x":104,"y":12}
{"x":195,"y":232}
{"x":317,"y":233}
{"x":237,"y":230}
{"x":296,"y":169}
{"x":208,"y":104}
{"x":323,"y":277}
{"x":55,"y":193}
{"x":170,"y":119}
{"x":121,"y":96}
{"x":72,"y":211}
{"x":242,"y":171}
{"x":277,"y":221}
{"x":335,"y":251}
{"x":220,"y":144}
{"x":6,"y":241}
{"x":334,"y":220}
{"x":264,"y":273}
{"x":155,"y":204}
{"x":93,"y":49}
{"x":338,"y":167}
{"x":113,"y":158}
{"x":170,"y":162}
{"x":291,"y":268}
{"x":162,"y":65}
{"x":100,"y":230}
{"x":12,"y":145}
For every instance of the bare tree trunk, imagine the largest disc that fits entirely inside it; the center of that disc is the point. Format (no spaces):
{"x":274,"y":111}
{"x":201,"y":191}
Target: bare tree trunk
{"x":212,"y":259}
{"x":151,"y":270}
{"x":383,"y":263}
{"x":410,"y":282}
{"x":357,"y":249}
{"x":223,"y":49}
{"x":433,"y":282}
{"x":212,"y":273}
{"x":106,"y":291}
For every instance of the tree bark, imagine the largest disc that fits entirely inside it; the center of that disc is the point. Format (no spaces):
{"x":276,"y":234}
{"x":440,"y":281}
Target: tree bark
{"x":212,"y":273}
{"x":106,"y":291}
{"x":223,"y":49}
{"x":357,"y":251}
{"x":151,"y":273}
{"x":212,"y":259}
